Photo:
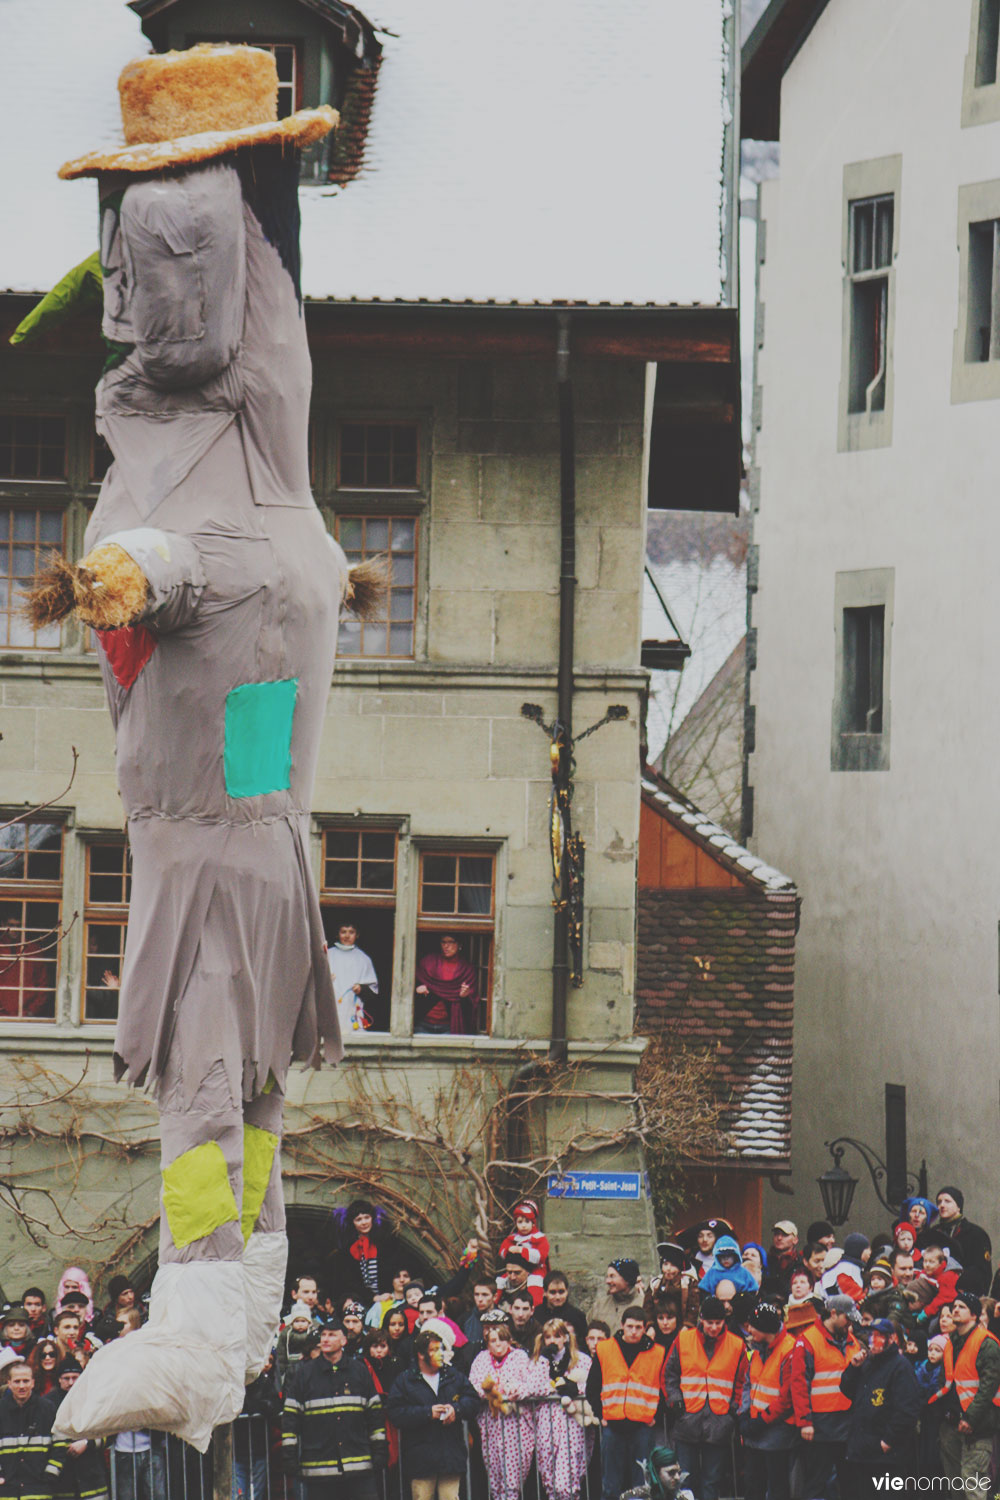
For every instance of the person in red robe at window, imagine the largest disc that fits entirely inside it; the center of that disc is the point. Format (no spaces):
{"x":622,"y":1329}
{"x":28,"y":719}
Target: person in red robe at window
{"x":447,"y":991}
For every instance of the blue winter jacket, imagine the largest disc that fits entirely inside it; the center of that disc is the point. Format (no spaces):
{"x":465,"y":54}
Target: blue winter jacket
{"x":727,"y":1248}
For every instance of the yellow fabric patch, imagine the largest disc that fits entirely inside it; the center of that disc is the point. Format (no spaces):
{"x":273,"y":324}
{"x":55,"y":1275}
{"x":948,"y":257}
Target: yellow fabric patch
{"x":197,"y":1195}
{"x":259,"y":1147}
{"x":271,"y":1083}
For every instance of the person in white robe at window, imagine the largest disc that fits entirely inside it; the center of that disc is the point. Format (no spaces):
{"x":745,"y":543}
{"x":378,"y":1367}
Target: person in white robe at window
{"x":352,"y":972}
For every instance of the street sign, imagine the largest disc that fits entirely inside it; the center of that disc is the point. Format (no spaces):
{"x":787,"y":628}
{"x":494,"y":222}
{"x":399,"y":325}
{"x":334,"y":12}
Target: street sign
{"x":596,"y":1185}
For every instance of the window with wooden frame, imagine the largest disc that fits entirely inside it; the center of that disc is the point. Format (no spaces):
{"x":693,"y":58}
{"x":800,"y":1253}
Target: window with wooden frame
{"x":27,"y":533}
{"x":378,"y":456}
{"x":395,"y":538}
{"x":105,"y":917}
{"x":30,"y":919}
{"x":456,"y":902}
{"x":358,"y":901}
{"x":32,"y":445}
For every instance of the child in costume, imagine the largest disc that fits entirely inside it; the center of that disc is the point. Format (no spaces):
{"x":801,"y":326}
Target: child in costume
{"x":215,"y":592}
{"x":563,"y":1425}
{"x":507,"y":1378}
{"x":527,"y":1240}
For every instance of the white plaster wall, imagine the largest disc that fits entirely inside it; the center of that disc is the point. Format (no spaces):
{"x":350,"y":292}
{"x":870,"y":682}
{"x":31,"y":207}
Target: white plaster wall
{"x":896,"y":967}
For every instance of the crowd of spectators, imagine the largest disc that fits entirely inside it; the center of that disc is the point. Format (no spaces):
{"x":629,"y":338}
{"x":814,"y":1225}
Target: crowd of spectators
{"x":796,"y":1370}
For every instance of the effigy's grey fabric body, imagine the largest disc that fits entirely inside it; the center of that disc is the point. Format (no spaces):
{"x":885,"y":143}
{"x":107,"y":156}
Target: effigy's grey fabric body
{"x":225,"y":978}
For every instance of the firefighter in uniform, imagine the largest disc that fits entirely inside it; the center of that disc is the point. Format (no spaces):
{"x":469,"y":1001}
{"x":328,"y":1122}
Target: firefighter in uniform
{"x":703,"y":1382}
{"x":623,"y":1388}
{"x":971,"y":1393}
{"x":31,"y":1462}
{"x":767,"y":1420}
{"x":822,"y":1413}
{"x":333,"y":1427}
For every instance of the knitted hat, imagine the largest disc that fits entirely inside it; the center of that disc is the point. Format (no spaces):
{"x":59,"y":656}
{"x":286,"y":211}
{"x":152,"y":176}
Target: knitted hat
{"x":526,"y":1209}
{"x":627,"y":1269}
{"x":299,"y":1310}
{"x":880,"y":1267}
{"x":765,"y":1318}
{"x":515,"y":1258}
{"x":953,"y":1192}
{"x":441,"y":1329}
{"x":65,"y":1366}
{"x":192,"y":106}
{"x":712,"y":1308}
{"x":819,"y":1229}
{"x":117,"y":1285}
{"x":854,"y":1246}
{"x":971,"y":1301}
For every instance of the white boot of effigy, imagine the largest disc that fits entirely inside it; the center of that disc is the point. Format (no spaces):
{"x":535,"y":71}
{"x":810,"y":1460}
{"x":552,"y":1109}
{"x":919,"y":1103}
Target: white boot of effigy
{"x":265,"y":1261}
{"x":182,"y":1372}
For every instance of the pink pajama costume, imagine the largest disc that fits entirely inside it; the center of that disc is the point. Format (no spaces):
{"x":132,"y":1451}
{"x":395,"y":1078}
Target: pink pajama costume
{"x":562,"y":1443}
{"x":509,"y":1441}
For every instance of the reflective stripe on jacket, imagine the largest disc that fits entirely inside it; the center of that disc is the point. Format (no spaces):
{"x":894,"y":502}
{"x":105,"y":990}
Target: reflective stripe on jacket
{"x":829,"y":1364}
{"x":630,"y":1393}
{"x":962,"y":1372}
{"x":708,"y":1379}
{"x":765,"y":1375}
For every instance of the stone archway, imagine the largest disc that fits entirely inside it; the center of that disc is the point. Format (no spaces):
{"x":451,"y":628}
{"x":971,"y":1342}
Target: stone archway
{"x":312,"y":1247}
{"x":312,"y":1244}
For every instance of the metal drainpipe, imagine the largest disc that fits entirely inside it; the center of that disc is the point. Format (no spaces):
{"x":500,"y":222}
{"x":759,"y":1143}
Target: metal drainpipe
{"x":567,"y":600}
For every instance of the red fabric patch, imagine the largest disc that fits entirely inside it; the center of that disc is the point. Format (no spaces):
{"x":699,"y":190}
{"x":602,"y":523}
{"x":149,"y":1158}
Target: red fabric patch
{"x":128,"y":650}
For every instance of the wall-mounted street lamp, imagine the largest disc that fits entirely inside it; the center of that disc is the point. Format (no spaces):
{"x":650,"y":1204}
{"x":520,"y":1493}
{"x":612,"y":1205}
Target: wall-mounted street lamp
{"x":837,"y":1185}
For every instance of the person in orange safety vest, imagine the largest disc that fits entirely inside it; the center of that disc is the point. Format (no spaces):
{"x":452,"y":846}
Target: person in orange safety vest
{"x":822,"y":1413}
{"x":767,"y":1420}
{"x":703,"y":1382}
{"x":971,"y":1393}
{"x":623,"y":1389}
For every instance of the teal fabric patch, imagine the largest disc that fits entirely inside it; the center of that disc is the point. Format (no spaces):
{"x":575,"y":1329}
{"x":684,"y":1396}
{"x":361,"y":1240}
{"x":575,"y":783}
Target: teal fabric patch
{"x":257,"y":758}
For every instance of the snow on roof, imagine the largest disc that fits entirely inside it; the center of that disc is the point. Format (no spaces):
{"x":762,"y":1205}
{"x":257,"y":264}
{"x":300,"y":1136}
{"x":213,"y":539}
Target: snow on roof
{"x":570,"y":151}
{"x":711,"y":834}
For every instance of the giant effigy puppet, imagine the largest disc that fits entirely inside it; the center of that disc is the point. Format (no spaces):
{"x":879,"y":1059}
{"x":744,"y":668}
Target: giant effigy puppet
{"x":215,"y":592}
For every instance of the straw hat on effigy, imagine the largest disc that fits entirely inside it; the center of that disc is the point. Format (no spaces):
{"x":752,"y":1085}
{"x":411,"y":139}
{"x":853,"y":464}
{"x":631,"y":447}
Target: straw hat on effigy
{"x":179,"y":108}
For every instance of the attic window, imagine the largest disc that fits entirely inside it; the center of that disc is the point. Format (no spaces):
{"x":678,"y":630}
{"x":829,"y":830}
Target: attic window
{"x":287,"y":60}
{"x":378,"y":455}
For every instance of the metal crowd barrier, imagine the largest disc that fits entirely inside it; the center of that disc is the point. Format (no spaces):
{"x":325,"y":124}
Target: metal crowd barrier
{"x":168,"y":1469}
